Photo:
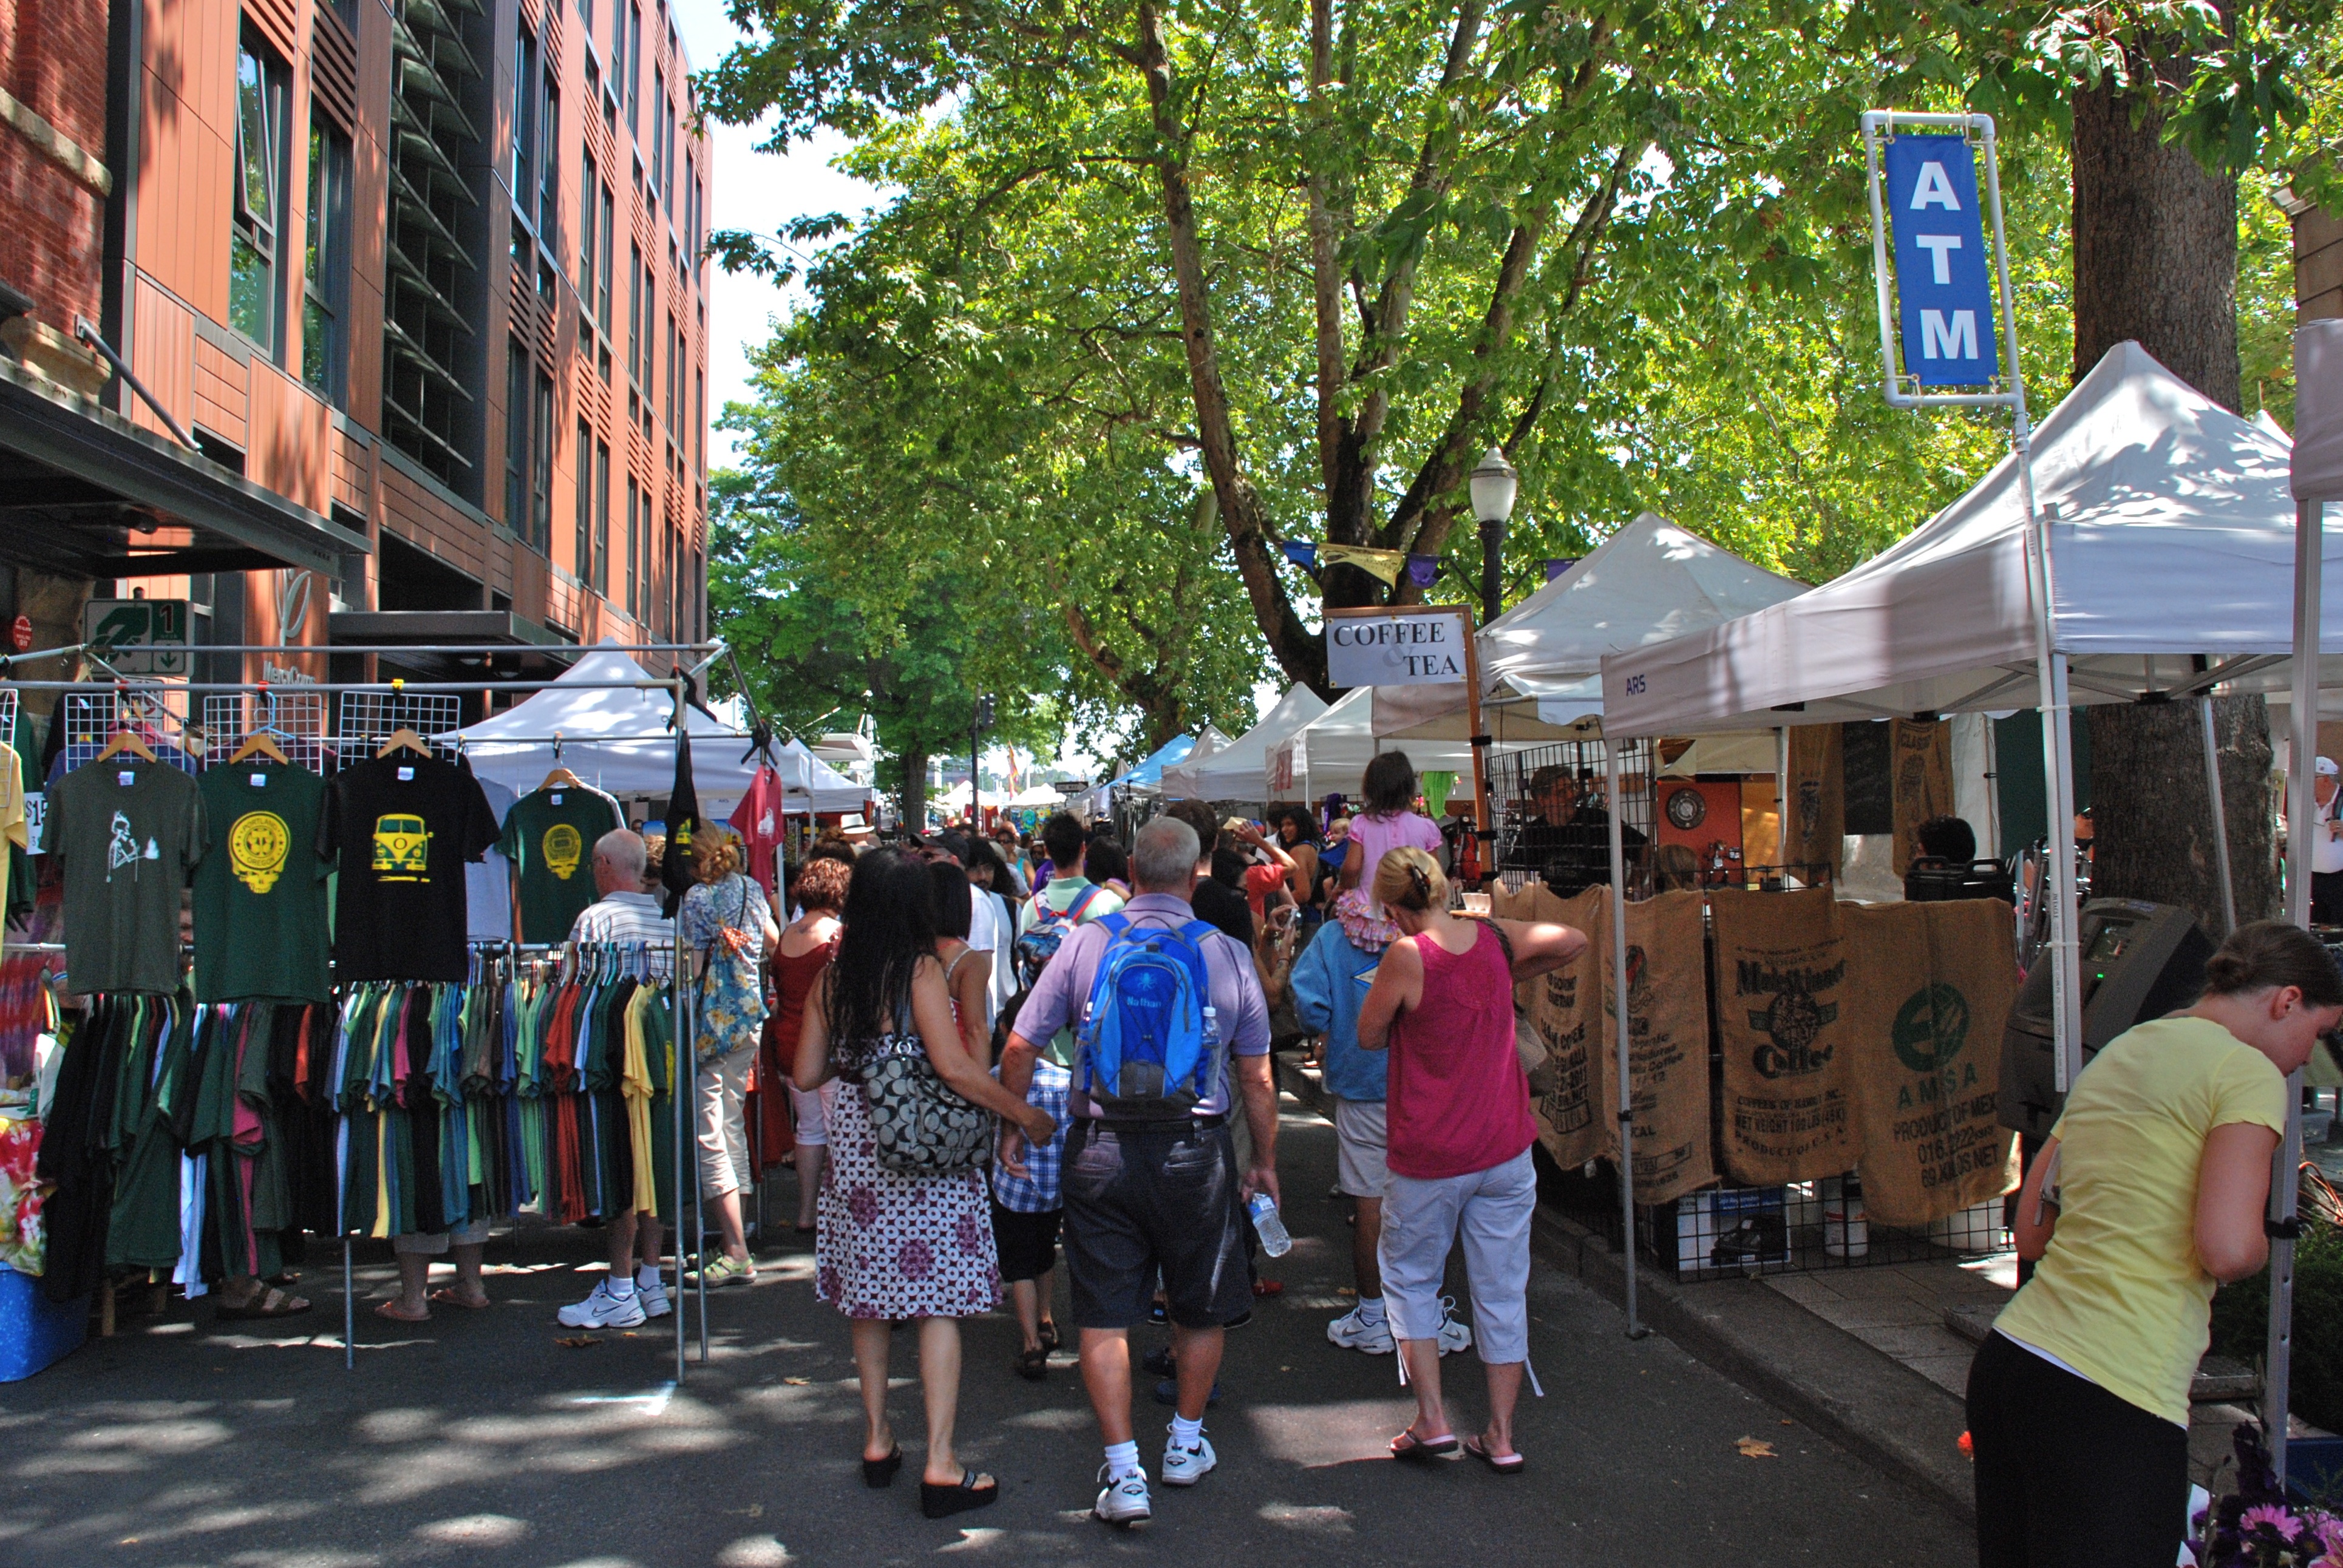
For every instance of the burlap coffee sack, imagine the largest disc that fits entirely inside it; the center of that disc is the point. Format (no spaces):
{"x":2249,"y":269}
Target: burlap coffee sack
{"x":1935,"y":986}
{"x":1566,"y":1007}
{"x":1921,"y":781}
{"x":1813,"y":817}
{"x":1785,"y":1030}
{"x":1667,"y":1058}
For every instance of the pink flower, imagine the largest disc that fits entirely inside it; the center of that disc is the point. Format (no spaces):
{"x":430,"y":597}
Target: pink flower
{"x":916,"y":1259}
{"x":2272,"y":1516}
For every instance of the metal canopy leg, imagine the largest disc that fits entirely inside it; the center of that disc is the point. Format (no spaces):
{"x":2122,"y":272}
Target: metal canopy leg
{"x":2221,"y":814}
{"x":1636,"y":1330}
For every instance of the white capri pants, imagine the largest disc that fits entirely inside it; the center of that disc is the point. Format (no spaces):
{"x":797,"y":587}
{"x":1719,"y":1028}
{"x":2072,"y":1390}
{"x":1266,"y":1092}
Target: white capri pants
{"x":813,"y":1114}
{"x":723,"y":1137}
{"x":1490,"y":1210}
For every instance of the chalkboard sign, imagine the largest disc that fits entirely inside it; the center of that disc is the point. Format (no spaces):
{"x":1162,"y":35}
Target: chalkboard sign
{"x":1870,"y":776}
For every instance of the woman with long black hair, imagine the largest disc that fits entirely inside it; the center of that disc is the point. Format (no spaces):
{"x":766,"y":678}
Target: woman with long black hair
{"x":894,"y":1247}
{"x":2152,"y":1187}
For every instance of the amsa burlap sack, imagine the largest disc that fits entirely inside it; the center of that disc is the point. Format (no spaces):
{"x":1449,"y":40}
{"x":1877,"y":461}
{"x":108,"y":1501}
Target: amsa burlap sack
{"x":1785,"y":1029}
{"x":1667,"y":1044}
{"x":1565,"y":1008}
{"x":1934,"y":984}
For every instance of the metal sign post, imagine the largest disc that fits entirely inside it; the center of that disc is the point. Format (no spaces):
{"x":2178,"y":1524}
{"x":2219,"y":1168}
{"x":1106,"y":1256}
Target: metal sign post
{"x":1929,"y":184}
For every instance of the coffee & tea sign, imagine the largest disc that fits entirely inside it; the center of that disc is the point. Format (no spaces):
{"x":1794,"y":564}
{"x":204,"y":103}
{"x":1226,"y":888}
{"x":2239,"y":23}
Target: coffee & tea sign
{"x":1426,"y":648}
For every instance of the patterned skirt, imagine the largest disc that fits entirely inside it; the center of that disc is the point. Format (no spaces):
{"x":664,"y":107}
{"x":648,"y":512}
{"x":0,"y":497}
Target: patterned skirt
{"x":894,"y":1246}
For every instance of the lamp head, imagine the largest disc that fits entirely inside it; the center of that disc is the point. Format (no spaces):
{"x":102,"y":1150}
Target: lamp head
{"x":1494,"y":484}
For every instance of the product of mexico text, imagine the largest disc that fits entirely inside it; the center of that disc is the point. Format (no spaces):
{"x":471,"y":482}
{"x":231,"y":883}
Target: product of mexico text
{"x":1783,"y":1020}
{"x":1935,"y":986}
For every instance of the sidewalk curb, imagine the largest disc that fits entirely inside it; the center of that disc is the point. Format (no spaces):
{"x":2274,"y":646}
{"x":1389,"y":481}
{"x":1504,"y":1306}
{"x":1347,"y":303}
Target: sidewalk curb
{"x":1859,"y":1398}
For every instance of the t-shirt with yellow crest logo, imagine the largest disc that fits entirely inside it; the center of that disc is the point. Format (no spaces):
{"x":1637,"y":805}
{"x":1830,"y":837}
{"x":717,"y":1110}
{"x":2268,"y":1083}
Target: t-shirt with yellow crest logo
{"x":549,"y":835}
{"x":260,"y":887}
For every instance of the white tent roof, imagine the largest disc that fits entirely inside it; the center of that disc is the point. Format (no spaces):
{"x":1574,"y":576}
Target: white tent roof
{"x":1239,"y":769}
{"x":617,"y":739}
{"x":1338,"y":744}
{"x":2173,"y":536}
{"x":1648,"y":583}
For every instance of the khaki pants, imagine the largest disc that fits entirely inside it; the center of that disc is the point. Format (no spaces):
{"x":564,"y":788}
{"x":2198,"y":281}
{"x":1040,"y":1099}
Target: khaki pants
{"x":723,"y":1139}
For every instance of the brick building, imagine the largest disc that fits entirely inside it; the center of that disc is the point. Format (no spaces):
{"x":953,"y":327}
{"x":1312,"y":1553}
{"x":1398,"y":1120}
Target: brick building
{"x":407,"y":299}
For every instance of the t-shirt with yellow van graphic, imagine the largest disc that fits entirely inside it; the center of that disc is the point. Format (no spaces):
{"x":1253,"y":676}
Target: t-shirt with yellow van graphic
{"x":402,"y":827}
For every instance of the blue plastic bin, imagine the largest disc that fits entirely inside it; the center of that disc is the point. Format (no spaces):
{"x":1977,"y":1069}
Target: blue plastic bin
{"x":35,"y":1331}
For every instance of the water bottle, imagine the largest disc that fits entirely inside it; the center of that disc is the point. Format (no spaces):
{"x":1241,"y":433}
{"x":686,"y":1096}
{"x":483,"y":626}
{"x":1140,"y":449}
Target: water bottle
{"x":1273,"y":1239}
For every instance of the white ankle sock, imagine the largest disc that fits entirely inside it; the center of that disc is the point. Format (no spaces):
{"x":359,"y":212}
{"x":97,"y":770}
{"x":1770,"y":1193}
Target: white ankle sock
{"x":1185,"y":1432}
{"x":621,"y":1288}
{"x":1121,"y":1460}
{"x":647,"y":1277}
{"x":1370,"y":1309}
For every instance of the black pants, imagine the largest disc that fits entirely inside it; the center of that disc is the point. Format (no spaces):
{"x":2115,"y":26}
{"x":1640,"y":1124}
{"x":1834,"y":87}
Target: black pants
{"x":2066,"y":1473}
{"x":2326,"y":897}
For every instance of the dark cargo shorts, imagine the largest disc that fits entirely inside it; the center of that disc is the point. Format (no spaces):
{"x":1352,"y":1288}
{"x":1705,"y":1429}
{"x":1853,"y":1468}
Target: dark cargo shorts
{"x":1142,"y":1200}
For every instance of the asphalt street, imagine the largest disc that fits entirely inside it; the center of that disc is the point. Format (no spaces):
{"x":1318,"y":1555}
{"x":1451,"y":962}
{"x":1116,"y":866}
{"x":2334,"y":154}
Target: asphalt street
{"x":483,"y":1438}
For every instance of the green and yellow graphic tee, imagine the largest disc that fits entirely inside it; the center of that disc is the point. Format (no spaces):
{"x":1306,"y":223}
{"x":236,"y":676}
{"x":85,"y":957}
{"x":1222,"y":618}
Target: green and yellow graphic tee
{"x":260,"y":887}
{"x":548,"y":837}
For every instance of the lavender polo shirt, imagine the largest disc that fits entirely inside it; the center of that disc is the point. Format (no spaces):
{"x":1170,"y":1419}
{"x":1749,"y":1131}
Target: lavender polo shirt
{"x":1242,"y":1014}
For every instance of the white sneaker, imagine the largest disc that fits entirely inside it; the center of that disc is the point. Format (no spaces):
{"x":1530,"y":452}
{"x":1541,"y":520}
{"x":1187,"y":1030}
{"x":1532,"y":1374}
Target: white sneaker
{"x":604,"y":1311}
{"x":1124,"y":1502}
{"x":1187,"y":1466}
{"x":652,"y":1294}
{"x":1353,"y":1333}
{"x":1453,"y":1335}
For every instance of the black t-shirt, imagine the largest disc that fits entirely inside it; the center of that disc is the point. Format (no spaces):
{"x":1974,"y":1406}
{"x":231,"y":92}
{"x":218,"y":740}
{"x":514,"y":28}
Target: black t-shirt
{"x":1217,"y":903}
{"x":403,"y":827}
{"x":1571,"y":856}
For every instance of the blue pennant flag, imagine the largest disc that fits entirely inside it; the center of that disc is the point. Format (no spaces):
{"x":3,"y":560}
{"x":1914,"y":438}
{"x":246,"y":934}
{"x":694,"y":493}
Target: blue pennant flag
{"x":1422,"y":569}
{"x":1302,"y":554}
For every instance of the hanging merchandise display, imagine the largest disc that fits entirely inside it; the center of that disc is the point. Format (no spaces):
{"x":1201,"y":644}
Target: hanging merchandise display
{"x":676,"y":874}
{"x":1566,"y":1007}
{"x":260,"y":887}
{"x":758,"y":819}
{"x":128,"y":829}
{"x":548,"y":839}
{"x":16,"y":883}
{"x":403,"y":826}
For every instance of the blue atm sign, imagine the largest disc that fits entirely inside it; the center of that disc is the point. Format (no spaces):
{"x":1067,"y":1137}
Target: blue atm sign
{"x":1943,"y":278}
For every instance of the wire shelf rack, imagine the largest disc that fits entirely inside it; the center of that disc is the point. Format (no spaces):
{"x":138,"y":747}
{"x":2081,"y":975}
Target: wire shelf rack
{"x":157,"y":712}
{"x":369,"y":717}
{"x":296,"y":720}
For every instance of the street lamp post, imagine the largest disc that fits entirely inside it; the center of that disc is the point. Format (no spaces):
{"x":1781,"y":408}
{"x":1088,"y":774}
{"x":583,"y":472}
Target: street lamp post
{"x":1494,"y":484}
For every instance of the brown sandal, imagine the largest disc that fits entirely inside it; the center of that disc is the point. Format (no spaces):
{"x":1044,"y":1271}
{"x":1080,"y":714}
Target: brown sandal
{"x":270,"y":1302}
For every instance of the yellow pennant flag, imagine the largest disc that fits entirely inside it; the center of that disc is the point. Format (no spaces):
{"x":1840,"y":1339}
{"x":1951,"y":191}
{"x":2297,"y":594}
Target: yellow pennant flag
{"x":1385,"y":565}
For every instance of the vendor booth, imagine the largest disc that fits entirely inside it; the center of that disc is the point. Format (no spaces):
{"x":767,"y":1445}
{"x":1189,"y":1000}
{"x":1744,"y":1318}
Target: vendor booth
{"x":1240,"y":769}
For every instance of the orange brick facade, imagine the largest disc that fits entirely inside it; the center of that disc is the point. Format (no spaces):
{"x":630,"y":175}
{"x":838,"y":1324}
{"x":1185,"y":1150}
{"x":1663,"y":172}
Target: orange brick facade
{"x":451,"y":287}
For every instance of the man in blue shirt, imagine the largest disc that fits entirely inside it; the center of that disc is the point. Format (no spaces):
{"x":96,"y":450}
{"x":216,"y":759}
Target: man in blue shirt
{"x":1144,"y":1198}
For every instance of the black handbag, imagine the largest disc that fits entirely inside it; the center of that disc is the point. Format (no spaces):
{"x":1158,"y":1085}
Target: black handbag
{"x":919,"y":1125}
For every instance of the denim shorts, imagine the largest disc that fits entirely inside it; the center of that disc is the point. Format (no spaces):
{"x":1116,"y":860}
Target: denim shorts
{"x":1149,"y":1201}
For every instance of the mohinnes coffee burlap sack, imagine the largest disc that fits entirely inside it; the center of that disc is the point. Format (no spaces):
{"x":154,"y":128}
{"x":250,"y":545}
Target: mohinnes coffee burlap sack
{"x":1933,"y":989}
{"x":1667,"y":1038}
{"x":1565,"y":1008}
{"x":1785,"y":1029}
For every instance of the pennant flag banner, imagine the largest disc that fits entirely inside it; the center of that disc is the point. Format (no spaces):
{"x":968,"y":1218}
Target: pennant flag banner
{"x":1554,"y":567}
{"x":1422,"y":569}
{"x":1302,"y":554}
{"x":1382,"y":564}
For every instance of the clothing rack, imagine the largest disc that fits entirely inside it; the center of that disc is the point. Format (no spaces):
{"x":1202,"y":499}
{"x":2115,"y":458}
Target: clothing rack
{"x":679,"y":685}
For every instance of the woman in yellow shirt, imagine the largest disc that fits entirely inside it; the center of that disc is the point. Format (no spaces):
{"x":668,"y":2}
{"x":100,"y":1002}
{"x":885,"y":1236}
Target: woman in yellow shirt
{"x":2152,"y":1186}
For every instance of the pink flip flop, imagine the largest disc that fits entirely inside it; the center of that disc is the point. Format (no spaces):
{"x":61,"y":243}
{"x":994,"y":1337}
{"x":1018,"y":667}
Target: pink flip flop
{"x":391,"y":1309}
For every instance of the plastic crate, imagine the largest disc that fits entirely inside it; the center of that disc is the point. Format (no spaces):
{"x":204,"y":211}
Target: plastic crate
{"x":35,"y":1331}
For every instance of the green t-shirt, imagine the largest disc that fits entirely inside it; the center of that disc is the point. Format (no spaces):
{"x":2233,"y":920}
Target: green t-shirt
{"x":130,"y":831}
{"x":260,"y":888}
{"x":549,"y":838}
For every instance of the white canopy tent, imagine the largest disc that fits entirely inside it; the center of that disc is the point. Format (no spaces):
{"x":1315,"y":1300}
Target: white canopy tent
{"x":618,"y":740}
{"x":1336,"y":747}
{"x":2172,"y":537}
{"x":1239,"y":771}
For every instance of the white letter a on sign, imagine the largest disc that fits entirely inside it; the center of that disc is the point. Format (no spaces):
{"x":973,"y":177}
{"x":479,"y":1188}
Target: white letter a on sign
{"x":1933,"y":189}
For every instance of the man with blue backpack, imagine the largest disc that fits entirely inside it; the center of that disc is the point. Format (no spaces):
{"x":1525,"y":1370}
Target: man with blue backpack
{"x":1172,"y":1038}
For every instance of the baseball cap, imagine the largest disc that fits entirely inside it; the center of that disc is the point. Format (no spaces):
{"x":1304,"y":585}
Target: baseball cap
{"x":2325,"y":767}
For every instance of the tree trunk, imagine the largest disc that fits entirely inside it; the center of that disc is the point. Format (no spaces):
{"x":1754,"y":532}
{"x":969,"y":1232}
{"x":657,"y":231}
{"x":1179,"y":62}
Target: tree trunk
{"x":2155,"y":259}
{"x":915,"y":790}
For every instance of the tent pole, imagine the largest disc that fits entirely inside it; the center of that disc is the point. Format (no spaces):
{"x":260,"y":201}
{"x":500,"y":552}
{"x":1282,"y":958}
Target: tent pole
{"x":1782,"y":797}
{"x":1613,"y":800}
{"x":2221,"y":814}
{"x":2301,"y":812}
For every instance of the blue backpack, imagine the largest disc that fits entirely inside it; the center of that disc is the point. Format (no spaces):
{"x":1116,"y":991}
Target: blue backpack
{"x":1144,"y":1047}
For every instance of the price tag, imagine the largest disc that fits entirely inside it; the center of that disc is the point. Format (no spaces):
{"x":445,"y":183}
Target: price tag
{"x":556,"y":797}
{"x":260,"y":781}
{"x":126,"y":777}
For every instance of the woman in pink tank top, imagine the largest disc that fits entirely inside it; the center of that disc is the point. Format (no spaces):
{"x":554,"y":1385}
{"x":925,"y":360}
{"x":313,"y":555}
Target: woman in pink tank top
{"x":1460,"y":1132}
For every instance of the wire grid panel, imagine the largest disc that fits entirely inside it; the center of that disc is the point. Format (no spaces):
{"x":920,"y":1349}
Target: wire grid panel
{"x":1803,"y":1227}
{"x":1551,"y":820}
{"x":155,"y":711}
{"x":371,"y":716}
{"x":296,"y":720}
{"x":9,"y":701}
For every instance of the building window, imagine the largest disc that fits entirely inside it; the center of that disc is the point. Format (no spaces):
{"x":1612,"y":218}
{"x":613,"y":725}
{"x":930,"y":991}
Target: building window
{"x":650,"y":333}
{"x":327,"y":268}
{"x":699,"y":421}
{"x":634,"y":529}
{"x":540,"y":531}
{"x":674,"y":367}
{"x":526,"y":92}
{"x":517,"y":426}
{"x":659,"y":128}
{"x":667,"y":170}
{"x":549,"y":150}
{"x":634,"y":312}
{"x":601,"y":578}
{"x":586,"y":15}
{"x":260,"y":98}
{"x":589,"y":182}
{"x":632,"y":59}
{"x":582,"y":562}
{"x":602,"y":292}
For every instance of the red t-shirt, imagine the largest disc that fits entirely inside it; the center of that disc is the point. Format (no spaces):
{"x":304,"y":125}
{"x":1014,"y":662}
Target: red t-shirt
{"x":758,"y":820}
{"x":1260,"y":881}
{"x":1459,"y":1101}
